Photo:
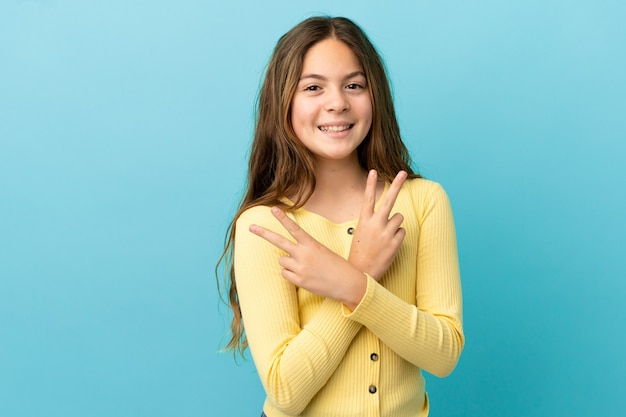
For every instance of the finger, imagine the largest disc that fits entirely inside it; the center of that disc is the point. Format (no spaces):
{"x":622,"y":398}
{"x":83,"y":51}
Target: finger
{"x":290,"y":276}
{"x":275,"y":239}
{"x":392,"y":194}
{"x":395,"y":221}
{"x":400,"y":234}
{"x":287,"y":262}
{"x":291,"y":226}
{"x":369,"y":197}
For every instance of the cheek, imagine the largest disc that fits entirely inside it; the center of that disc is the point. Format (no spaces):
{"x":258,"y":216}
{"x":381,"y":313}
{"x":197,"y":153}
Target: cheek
{"x":296,"y":111}
{"x":303,"y":106}
{"x":301,"y":114}
{"x":298,"y":118}
{"x":366,"y":110}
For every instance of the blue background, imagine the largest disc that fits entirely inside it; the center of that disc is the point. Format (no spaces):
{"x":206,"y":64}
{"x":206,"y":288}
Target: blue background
{"x":124,"y":130}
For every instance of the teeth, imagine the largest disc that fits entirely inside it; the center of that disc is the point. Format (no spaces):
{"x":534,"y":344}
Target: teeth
{"x":334,"y":128}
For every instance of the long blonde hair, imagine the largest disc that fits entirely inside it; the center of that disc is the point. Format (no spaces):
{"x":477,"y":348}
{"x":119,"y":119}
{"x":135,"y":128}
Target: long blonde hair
{"x":280,"y":165}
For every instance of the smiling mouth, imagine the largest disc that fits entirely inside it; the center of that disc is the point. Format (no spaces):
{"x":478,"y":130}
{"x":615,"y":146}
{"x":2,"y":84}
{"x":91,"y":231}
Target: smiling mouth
{"x":335,"y":128}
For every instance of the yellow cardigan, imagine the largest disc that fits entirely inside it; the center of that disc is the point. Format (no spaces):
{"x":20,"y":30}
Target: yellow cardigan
{"x":314,"y":356}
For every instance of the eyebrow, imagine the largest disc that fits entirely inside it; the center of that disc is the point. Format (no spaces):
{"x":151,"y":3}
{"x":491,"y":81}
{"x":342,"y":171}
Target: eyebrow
{"x":321,"y":77}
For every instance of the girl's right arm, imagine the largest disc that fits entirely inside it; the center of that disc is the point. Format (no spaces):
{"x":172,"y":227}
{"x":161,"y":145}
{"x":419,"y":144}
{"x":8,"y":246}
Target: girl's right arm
{"x":293,"y":361}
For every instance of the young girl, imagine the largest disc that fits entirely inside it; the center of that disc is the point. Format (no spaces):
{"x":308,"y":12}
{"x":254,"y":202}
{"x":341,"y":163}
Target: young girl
{"x":343,"y":261}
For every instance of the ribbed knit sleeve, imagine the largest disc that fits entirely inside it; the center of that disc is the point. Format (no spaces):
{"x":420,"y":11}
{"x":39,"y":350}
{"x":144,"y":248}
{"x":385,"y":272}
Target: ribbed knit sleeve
{"x":427,"y":330}
{"x":293,"y":361}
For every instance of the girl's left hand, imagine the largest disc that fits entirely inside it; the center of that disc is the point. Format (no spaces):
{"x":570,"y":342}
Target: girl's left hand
{"x":312,"y":266}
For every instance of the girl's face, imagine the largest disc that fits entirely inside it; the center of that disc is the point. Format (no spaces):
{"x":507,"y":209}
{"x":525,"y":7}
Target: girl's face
{"x":331,"y":111}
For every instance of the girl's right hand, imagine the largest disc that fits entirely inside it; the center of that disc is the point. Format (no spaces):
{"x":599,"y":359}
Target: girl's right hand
{"x":377,"y":237}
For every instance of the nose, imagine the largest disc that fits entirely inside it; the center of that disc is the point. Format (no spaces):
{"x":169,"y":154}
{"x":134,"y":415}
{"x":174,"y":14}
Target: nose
{"x":337,"y":101}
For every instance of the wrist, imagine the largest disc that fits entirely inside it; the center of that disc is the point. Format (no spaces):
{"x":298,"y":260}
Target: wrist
{"x":357,"y":292}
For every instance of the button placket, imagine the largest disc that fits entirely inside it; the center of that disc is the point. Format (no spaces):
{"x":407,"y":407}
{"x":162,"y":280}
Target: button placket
{"x":374,"y":359}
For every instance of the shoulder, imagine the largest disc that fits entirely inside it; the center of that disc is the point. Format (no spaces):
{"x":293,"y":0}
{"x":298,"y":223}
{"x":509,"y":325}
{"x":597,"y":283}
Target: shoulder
{"x":426,"y":196}
{"x":256,"y":213}
{"x":424,"y":189}
{"x":261,"y":216}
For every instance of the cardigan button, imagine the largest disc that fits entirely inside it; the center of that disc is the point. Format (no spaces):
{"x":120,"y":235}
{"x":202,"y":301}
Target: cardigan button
{"x":350,"y":230}
{"x":372,"y":389}
{"x":374,"y":357}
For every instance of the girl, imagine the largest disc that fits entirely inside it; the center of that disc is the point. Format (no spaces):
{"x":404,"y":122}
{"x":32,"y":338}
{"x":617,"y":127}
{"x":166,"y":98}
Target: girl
{"x":348,"y":285}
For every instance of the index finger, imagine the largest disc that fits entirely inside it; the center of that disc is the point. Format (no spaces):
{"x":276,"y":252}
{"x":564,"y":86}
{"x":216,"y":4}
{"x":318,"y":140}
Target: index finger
{"x":274,"y":238}
{"x":291,"y":226}
{"x":392,"y":194}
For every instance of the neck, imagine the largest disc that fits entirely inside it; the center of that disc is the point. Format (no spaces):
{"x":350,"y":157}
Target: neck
{"x":339,"y":177}
{"x":338,"y":194}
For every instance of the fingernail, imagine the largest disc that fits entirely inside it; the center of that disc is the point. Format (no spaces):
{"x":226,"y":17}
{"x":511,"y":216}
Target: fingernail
{"x":253,"y":228}
{"x":275,"y":210}
{"x":372,"y":173}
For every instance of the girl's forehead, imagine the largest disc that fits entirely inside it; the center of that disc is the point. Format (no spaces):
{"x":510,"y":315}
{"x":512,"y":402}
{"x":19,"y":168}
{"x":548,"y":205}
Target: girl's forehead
{"x":330,"y":56}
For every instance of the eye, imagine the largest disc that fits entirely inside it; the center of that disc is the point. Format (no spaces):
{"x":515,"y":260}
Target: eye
{"x":354,"y":86}
{"x":312,"y":88}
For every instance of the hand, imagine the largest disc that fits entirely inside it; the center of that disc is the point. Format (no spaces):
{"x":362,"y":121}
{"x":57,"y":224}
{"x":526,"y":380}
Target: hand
{"x":312,"y":266}
{"x":377,"y":238}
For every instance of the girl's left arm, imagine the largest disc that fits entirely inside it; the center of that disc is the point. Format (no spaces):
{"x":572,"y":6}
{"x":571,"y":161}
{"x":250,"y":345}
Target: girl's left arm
{"x":429,"y":331}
